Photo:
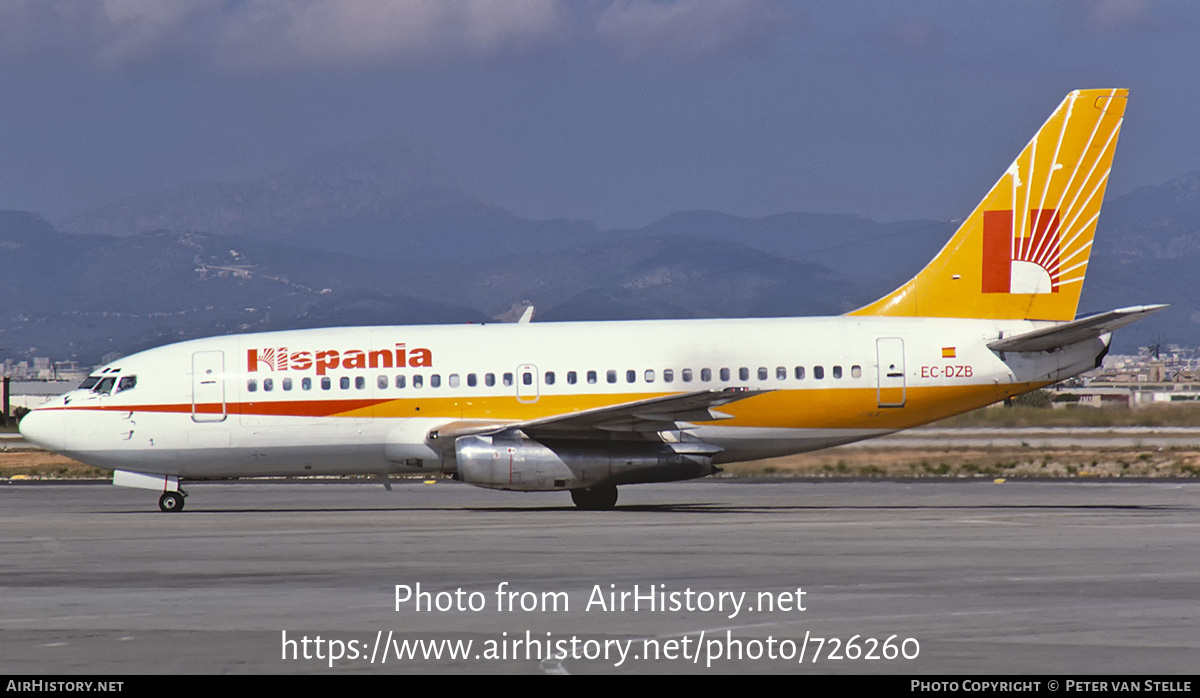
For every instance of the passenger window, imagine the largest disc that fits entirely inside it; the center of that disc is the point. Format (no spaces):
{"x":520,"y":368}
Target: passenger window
{"x":818,"y":372}
{"x":381,"y":382}
{"x":344,"y":382}
{"x":630,"y":376}
{"x":326,"y":383}
{"x":837,"y":371}
{"x":743,"y":374}
{"x":762,"y":373}
{"x":126,"y":383}
{"x":418,"y":381}
{"x":268,"y":385}
{"x":668,"y":375}
{"x":611,"y":376}
{"x":435,"y":380}
{"x":360,"y":382}
{"x":489,"y":379}
{"x":799,"y":373}
{"x":649,"y":376}
{"x":471,"y":380}
{"x":780,"y":373}
{"x":453,"y":380}
{"x":724,"y":374}
{"x":306,"y":384}
{"x":549,"y":377}
{"x":856,"y":371}
{"x":287,"y":383}
{"x":401,"y":381}
{"x":508,"y":379}
{"x":527,"y":377}
{"x":591,"y":377}
{"x":686,"y":374}
{"x":572,"y":378}
{"x":251,"y":385}
{"x":706,"y":374}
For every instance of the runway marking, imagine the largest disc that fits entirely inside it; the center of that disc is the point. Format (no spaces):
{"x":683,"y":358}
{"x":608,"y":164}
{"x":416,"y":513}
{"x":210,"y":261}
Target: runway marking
{"x":994,"y":522}
{"x":45,"y":619}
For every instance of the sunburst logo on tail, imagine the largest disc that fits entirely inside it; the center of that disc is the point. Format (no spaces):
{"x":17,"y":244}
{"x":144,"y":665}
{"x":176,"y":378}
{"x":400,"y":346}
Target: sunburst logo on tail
{"x":1023,"y":251}
{"x":1026,"y":263}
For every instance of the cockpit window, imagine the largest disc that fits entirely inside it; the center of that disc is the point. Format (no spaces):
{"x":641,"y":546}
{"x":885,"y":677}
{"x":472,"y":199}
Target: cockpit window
{"x":126,"y":383}
{"x":104,"y":387}
{"x":89,"y":383}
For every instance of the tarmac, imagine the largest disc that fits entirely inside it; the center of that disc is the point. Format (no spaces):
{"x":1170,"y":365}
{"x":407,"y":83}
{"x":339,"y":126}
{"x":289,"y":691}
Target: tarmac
{"x":964,"y":577}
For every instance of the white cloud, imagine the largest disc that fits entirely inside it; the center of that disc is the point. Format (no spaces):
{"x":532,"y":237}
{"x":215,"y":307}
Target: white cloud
{"x":687,"y":28}
{"x":29,"y":26}
{"x":1109,"y":15}
{"x":916,"y":35}
{"x":282,"y":35}
{"x":137,"y":30}
{"x":272,"y":34}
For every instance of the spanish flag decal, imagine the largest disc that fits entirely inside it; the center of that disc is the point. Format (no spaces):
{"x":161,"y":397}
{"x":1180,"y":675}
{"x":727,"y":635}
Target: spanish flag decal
{"x":948,"y":352}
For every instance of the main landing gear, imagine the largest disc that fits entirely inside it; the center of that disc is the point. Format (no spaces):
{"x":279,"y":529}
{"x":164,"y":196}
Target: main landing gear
{"x":598,"y":498}
{"x":172,"y":501}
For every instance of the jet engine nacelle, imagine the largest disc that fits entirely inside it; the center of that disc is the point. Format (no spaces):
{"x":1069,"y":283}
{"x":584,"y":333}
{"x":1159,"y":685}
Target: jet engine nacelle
{"x":506,"y":462}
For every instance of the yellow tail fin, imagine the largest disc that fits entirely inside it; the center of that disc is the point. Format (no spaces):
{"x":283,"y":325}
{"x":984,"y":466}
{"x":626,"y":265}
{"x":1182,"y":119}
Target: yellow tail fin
{"x":1023,"y":251}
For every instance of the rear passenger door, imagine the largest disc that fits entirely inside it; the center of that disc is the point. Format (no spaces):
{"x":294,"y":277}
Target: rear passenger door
{"x":891,"y":388}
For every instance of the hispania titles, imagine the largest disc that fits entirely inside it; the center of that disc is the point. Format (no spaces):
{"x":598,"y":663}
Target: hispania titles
{"x":279,"y":359}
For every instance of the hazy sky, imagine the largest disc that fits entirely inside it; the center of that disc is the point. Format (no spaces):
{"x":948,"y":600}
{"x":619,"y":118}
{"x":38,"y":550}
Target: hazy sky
{"x":615,"y":111}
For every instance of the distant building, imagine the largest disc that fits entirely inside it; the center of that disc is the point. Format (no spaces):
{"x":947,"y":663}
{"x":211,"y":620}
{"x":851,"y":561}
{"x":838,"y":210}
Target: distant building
{"x":1149,"y":377}
{"x":31,"y":394}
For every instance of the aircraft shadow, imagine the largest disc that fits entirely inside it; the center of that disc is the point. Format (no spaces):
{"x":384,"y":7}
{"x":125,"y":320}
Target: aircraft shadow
{"x":686,"y":508}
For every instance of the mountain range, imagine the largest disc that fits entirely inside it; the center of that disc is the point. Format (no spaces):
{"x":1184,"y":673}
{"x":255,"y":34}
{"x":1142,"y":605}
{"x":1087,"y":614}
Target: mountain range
{"x":381,"y":235}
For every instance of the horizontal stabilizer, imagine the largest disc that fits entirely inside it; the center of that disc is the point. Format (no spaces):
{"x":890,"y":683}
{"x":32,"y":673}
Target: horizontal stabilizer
{"x":1061,"y":335}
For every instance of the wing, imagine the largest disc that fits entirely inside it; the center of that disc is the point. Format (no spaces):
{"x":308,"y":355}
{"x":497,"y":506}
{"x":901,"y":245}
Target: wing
{"x":651,"y":415}
{"x":636,"y":419}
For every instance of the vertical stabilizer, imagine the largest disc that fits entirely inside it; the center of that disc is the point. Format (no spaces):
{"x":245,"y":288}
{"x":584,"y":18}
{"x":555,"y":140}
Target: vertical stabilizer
{"x":1023,"y":251}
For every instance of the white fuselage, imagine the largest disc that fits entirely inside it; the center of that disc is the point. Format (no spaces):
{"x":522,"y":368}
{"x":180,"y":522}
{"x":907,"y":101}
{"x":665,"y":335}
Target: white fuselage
{"x":364,"y":400}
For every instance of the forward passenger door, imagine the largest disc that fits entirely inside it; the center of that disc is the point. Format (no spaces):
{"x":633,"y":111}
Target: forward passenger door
{"x":208,"y":386}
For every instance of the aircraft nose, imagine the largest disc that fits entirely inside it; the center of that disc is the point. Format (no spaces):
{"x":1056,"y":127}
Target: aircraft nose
{"x":43,"y":428}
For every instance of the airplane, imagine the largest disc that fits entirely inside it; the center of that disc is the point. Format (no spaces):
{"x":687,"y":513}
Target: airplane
{"x":589,"y":406}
